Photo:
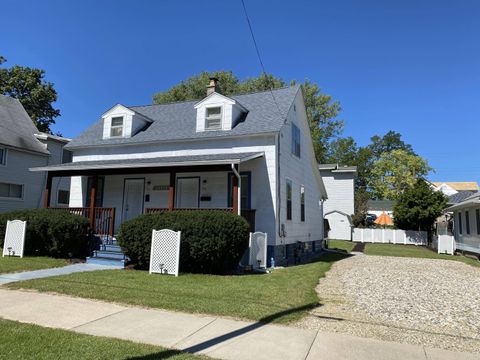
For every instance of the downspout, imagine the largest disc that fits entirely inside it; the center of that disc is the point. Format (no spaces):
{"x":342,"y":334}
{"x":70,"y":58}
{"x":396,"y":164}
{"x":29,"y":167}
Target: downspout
{"x":239,"y":182}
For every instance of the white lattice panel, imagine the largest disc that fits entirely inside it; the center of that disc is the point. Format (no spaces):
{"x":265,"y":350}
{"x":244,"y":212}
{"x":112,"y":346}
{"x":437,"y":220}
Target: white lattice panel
{"x":165,"y":253}
{"x":258,"y":250}
{"x":14,"y":238}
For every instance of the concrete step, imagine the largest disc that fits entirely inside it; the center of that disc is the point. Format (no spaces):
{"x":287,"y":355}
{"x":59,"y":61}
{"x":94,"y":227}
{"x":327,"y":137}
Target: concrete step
{"x":115,"y":263}
{"x":109,"y":254}
{"x":114,"y":248}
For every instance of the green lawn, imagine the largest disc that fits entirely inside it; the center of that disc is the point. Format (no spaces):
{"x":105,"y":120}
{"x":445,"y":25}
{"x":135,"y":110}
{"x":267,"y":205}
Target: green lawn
{"x":341,"y":244}
{"x":282,"y":296}
{"x":15,"y":264}
{"x":25,"y":341}
{"x":413,"y":251}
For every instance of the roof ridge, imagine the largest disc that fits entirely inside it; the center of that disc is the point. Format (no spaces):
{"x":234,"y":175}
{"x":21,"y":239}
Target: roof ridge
{"x":196,"y":100}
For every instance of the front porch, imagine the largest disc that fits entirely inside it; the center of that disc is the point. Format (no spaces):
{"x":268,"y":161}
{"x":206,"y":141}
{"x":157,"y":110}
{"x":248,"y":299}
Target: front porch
{"x":108,"y":195}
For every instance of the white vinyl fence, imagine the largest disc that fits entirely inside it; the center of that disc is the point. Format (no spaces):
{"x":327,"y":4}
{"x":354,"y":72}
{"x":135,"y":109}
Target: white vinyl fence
{"x":445,"y":244}
{"x":390,"y":236}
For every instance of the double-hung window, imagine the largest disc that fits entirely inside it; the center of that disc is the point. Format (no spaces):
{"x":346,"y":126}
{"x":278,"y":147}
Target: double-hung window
{"x":467,"y":222}
{"x":12,"y":191}
{"x":213,"y":118}
{"x":477,"y":216}
{"x":460,"y":223}
{"x":302,"y":203}
{"x":3,"y":156}
{"x":116,"y":129}
{"x":296,"y":148}
{"x":289,"y":200}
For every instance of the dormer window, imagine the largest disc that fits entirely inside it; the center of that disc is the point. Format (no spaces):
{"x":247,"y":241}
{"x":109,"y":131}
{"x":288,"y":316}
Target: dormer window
{"x":213,"y":118}
{"x":116,"y":129}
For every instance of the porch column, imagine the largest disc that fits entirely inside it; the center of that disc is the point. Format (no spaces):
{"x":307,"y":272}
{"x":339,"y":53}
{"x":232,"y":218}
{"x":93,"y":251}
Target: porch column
{"x":48,"y":189}
{"x":236,"y":190}
{"x":171,"y":191}
{"x":93,"y":193}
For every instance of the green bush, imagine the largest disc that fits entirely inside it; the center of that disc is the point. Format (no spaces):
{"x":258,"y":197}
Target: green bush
{"x":212,"y":242}
{"x":50,"y":232}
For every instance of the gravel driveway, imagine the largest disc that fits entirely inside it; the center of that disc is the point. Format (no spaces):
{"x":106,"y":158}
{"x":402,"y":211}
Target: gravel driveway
{"x":420,"y":301}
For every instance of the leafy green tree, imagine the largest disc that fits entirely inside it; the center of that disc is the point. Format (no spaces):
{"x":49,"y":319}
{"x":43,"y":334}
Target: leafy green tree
{"x":360,"y":207}
{"x":418,"y":207}
{"x":343,"y":151}
{"x":36,"y":95}
{"x":321,"y":109}
{"x":395,"y":172}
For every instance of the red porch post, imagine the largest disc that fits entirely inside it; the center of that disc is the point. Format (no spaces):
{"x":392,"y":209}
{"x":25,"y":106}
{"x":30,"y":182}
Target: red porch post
{"x":48,"y":189}
{"x":93,"y":193}
{"x":235,"y":195}
{"x":171,"y":191}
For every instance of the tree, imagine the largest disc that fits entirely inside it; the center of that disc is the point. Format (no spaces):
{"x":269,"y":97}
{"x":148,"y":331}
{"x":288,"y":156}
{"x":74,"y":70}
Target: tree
{"x":395,"y":172}
{"x":321,"y":110}
{"x":360,"y":207}
{"x":36,"y":95}
{"x":418,"y":207}
{"x":343,"y":151}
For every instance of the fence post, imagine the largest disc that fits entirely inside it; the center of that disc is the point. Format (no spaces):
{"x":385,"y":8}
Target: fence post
{"x":394,"y":233}
{"x":361,"y":235}
{"x":383,"y":236}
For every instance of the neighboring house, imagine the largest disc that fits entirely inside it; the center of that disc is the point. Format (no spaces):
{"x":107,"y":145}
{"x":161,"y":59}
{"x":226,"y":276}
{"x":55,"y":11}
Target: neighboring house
{"x":339,"y":208}
{"x":378,"y":207}
{"x":466,"y":217}
{"x":22,"y":146}
{"x":461,"y":189}
{"x":251,"y":154}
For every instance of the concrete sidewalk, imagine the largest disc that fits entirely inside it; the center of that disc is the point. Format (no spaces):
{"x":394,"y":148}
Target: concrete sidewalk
{"x":212,"y":336}
{"x":38,"y":274}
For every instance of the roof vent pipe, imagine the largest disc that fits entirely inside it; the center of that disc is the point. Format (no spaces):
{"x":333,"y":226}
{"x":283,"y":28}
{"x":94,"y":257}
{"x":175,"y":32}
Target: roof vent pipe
{"x":212,"y":86}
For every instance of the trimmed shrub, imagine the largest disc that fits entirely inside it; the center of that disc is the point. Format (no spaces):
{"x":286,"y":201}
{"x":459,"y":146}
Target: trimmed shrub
{"x":50,"y":232}
{"x":212,"y":241}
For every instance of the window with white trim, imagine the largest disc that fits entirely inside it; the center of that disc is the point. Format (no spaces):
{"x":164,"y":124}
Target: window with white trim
{"x":289,"y":200}
{"x":63,"y":197}
{"x":302,"y":203}
{"x":3,"y":156}
{"x":296,"y":148}
{"x":116,"y":128}
{"x":12,"y":191}
{"x":213,"y":118}
{"x":460,"y":223}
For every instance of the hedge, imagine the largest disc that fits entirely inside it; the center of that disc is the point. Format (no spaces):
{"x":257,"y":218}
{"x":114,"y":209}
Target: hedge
{"x":212,"y":241}
{"x":50,"y":232}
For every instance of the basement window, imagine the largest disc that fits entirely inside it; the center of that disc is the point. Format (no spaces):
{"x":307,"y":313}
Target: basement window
{"x":213,"y":118}
{"x":116,"y":129}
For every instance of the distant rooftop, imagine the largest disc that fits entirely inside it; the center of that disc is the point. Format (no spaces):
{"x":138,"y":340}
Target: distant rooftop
{"x":459,"y":186}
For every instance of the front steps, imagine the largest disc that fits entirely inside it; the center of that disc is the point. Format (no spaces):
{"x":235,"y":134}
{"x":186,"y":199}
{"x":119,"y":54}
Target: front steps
{"x":109,"y":254}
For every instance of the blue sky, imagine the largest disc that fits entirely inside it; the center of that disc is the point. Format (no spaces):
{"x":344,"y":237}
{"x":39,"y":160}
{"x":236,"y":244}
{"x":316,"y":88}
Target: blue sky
{"x":409,"y":66}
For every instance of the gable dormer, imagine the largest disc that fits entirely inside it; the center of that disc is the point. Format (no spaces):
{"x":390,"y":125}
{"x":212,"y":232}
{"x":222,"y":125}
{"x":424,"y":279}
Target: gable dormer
{"x":217,"y":112}
{"x":122,"y":122}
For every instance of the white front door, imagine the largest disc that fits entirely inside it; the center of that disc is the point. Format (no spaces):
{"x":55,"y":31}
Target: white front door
{"x":188,"y":192}
{"x":133,"y":198}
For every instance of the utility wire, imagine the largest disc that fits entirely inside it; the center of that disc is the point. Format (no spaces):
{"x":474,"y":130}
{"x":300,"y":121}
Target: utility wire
{"x":258,"y":53}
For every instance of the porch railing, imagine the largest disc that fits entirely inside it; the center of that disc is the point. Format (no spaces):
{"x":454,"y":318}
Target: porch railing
{"x":247,"y":214}
{"x":102,"y":222}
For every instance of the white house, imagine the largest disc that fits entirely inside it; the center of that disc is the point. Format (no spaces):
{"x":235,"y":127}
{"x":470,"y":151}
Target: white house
{"x":339,"y":208}
{"x":251,"y":154}
{"x":22,"y":146}
{"x":466,"y":217}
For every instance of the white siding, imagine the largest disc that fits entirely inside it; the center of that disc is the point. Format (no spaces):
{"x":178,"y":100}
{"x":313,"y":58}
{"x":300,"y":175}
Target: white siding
{"x":340,"y":191}
{"x":263,"y":174}
{"x":301,"y":171}
{"x":16,"y":172}
{"x":468,"y":242}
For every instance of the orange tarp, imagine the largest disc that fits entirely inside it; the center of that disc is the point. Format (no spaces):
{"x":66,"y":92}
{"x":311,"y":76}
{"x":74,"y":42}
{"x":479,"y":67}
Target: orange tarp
{"x":384,"y":219}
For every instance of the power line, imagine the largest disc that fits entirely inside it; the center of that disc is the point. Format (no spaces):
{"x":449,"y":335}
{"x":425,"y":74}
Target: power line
{"x":258,"y":53}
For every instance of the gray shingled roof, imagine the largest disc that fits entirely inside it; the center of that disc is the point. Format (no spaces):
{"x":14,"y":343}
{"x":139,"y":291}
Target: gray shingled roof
{"x":460,"y":196}
{"x":177,"y":121}
{"x":226,"y":158}
{"x":16,"y":128}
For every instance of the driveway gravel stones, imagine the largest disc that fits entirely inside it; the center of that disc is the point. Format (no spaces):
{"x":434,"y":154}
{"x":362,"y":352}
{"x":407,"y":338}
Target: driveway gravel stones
{"x":428,"y":302}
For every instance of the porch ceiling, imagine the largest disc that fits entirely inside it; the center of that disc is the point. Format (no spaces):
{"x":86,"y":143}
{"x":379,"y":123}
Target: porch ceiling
{"x":158,"y":162}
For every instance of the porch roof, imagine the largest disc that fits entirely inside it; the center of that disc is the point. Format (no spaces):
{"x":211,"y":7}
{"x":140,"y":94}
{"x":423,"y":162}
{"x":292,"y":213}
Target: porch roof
{"x":166,"y":161}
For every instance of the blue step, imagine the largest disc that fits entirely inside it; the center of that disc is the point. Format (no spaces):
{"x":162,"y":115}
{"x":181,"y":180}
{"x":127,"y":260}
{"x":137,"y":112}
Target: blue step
{"x":109,"y":254}
{"x":114,"y":248}
{"x":115,"y":263}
